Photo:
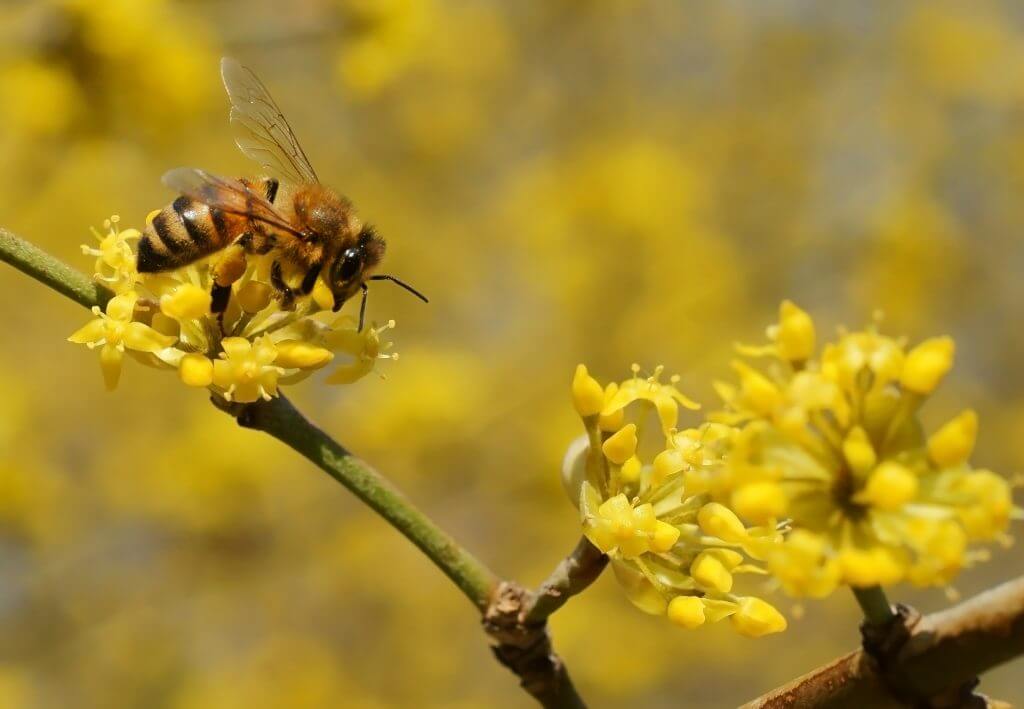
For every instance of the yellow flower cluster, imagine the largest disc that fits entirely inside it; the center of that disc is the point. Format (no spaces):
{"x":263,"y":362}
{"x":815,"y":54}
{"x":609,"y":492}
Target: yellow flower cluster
{"x":164,"y":321}
{"x":833,"y":443}
{"x":673,"y":552}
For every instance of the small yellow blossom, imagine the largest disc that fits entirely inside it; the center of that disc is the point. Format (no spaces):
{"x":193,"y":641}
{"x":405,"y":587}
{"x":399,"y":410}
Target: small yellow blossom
{"x":674,"y":551}
{"x":245,"y":370}
{"x":114,"y":331}
{"x":833,"y":443}
{"x":365,"y":347}
{"x":115,"y":257}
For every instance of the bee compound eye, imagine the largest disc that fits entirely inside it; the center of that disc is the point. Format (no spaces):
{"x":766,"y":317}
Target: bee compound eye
{"x":351,"y":261}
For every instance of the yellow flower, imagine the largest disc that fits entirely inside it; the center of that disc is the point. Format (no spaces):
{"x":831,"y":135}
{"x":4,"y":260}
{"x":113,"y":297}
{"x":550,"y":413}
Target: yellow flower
{"x":674,"y":551}
{"x":245,"y":370}
{"x":365,"y":347}
{"x":114,"y":332}
{"x":665,"y":398}
{"x":835,"y":445}
{"x":115,"y":258}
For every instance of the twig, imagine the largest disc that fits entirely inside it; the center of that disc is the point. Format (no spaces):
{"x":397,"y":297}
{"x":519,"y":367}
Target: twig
{"x":577,"y":571}
{"x":56,"y":274}
{"x":945,"y":651}
{"x":875,"y":604}
{"x":284,"y":422}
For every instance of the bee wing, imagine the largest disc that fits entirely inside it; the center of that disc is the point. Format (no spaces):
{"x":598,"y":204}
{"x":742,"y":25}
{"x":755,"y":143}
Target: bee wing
{"x":226,"y":194}
{"x":261,"y":131}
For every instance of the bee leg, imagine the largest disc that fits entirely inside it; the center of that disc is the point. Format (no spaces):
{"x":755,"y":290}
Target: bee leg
{"x":219,"y":297}
{"x":228,"y":269}
{"x":309,"y":281}
{"x":285,"y":292}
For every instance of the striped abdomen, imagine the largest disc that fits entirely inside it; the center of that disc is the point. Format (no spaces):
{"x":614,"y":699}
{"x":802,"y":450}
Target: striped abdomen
{"x":183,"y":232}
{"x":188,"y":229}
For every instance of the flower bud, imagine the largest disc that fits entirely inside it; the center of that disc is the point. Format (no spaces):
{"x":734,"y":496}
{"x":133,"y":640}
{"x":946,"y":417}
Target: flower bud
{"x":665,"y":537}
{"x":927,"y":364}
{"x":631,"y":469}
{"x":952,"y":444}
{"x":758,"y":391}
{"x":759,"y":501}
{"x":301,"y":355}
{"x":621,"y":445}
{"x":686,"y":611}
{"x":187,"y":302}
{"x":754,"y":618}
{"x":196,"y":370}
{"x":889,"y":487}
{"x":719,"y":521}
{"x":666,"y":463}
{"x":709,"y":571}
{"x":795,"y":336}
{"x":859,"y":453}
{"x":587,"y":394}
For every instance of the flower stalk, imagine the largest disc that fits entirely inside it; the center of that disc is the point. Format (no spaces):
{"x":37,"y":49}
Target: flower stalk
{"x":875,"y":604}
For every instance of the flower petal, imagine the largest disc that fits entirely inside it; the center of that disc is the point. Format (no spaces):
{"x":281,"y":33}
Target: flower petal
{"x":121,"y":307}
{"x":110,"y":363}
{"x":92,"y":331}
{"x":143,"y":338}
{"x":235,"y":346}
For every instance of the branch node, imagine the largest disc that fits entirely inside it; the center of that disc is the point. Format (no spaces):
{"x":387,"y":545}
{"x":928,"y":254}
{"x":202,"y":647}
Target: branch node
{"x":884,"y":642}
{"x":883,"y":645}
{"x":526,"y":649}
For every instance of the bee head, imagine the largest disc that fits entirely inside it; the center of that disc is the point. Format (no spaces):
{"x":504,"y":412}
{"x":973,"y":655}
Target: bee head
{"x":354,"y":264}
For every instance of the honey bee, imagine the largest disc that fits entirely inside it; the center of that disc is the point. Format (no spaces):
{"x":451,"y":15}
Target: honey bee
{"x":308,"y":228}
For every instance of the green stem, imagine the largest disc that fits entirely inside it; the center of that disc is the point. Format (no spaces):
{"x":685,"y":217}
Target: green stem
{"x":873,"y":602}
{"x":284,"y":422}
{"x":53,"y":272}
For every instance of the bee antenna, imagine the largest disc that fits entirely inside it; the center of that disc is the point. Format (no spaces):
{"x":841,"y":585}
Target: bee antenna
{"x":403,"y":284}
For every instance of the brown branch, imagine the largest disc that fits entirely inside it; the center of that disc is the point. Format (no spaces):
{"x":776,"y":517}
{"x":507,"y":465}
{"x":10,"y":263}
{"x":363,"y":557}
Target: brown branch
{"x":939,"y":660}
{"x":516,"y":622}
{"x":575,"y":572}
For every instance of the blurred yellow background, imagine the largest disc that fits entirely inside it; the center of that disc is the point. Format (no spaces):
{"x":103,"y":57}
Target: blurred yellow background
{"x":602,"y":181}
